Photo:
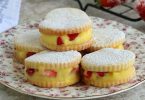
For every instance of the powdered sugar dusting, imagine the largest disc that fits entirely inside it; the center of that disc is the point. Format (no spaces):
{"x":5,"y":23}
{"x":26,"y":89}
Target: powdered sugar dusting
{"x":63,"y":18}
{"x":104,"y":37}
{"x":54,"y":57}
{"x":29,"y":39}
{"x":107,"y":56}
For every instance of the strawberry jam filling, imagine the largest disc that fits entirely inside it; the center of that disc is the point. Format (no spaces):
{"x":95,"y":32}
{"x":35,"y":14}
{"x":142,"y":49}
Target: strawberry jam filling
{"x":30,"y":71}
{"x":72,"y":36}
{"x":101,"y":74}
{"x":50,"y":73}
{"x":88,"y":74}
{"x":59,"y":41}
{"x":52,"y":40}
{"x":30,"y":54}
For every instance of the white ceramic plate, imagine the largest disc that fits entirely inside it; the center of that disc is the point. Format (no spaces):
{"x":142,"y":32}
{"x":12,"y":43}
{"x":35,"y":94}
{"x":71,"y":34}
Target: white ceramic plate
{"x":11,"y":73}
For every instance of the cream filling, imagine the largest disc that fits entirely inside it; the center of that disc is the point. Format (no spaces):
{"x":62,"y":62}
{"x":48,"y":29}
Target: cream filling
{"x":81,"y":38}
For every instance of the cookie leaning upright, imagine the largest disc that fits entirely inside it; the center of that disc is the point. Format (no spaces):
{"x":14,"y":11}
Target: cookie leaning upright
{"x":107,"y":37}
{"x":26,"y":44}
{"x":66,"y":29}
{"x":53,"y":69}
{"x":108,"y":67}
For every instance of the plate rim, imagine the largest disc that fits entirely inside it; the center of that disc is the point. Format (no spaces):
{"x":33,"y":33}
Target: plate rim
{"x":77,"y":98}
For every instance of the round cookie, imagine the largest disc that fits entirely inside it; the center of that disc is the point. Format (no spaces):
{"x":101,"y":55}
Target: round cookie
{"x":108,"y":67}
{"x":27,"y":44}
{"x":66,"y":29}
{"x":107,"y":37}
{"x":53,"y":69}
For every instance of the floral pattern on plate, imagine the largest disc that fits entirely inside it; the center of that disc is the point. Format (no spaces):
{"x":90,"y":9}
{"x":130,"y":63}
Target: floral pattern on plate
{"x":11,"y":72}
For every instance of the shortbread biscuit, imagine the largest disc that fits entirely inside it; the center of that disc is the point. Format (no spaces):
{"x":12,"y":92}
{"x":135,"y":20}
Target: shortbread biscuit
{"x":53,"y":69}
{"x":107,"y":37}
{"x":108,"y":67}
{"x":108,"y":79}
{"x":66,"y":28}
{"x":27,"y":44}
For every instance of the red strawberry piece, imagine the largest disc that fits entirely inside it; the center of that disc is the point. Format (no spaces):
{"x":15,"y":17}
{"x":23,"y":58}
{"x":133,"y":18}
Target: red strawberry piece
{"x":50,"y":73}
{"x":30,"y":71}
{"x":76,"y":69}
{"x":109,"y":3}
{"x":140,"y":7}
{"x":87,"y":74}
{"x":101,"y":74}
{"x":72,"y":36}
{"x":126,"y":45}
{"x":59,"y":41}
{"x":30,"y":54}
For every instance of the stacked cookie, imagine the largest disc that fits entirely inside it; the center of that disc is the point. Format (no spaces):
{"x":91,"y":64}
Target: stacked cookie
{"x":108,"y":67}
{"x":52,"y":59}
{"x":107,"y":37}
{"x":27,"y":44}
{"x":53,"y":69}
{"x":66,"y":29}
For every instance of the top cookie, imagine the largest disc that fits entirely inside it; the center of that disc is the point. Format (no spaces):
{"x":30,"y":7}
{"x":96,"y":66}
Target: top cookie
{"x":107,"y":37}
{"x":65,"y":21}
{"x":54,"y":59}
{"x":108,"y":60}
{"x":28,"y":41}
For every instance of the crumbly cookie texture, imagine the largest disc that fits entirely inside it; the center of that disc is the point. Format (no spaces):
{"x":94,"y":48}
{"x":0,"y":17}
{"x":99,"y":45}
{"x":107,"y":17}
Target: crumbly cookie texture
{"x":54,"y":69}
{"x":26,"y":44}
{"x":28,"y":41}
{"x":65,"y":21}
{"x":108,"y":59}
{"x":53,"y":58}
{"x":107,"y":37}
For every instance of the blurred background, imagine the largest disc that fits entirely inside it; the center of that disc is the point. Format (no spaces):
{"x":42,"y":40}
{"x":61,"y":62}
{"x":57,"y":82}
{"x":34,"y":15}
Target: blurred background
{"x":36,"y":9}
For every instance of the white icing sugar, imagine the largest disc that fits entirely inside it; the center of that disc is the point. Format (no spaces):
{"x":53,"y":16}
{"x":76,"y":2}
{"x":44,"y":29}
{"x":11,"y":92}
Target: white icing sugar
{"x":107,"y":56}
{"x":54,"y":57}
{"x":63,"y":18}
{"x":29,"y":39}
{"x":107,"y":36}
